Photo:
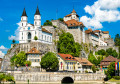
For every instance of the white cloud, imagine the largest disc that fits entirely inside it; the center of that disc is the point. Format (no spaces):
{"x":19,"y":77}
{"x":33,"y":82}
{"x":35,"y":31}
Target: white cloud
{"x":16,"y":36}
{"x":1,"y":54}
{"x":101,"y":11}
{"x":1,"y":19}
{"x":2,"y":48}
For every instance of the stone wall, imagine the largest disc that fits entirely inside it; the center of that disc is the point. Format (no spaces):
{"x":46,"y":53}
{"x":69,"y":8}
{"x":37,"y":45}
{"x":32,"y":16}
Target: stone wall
{"x":55,"y":76}
{"x":42,"y":47}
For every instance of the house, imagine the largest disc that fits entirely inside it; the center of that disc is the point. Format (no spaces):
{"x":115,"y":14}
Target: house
{"x":83,"y":65}
{"x":0,"y":62}
{"x":106,"y":62}
{"x":34,"y":56}
{"x":66,"y":62}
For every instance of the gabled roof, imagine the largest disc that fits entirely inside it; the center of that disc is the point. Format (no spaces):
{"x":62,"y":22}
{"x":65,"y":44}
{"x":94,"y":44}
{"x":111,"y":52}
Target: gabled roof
{"x":83,"y":61}
{"x":72,"y":23}
{"x":96,"y":31}
{"x":44,"y":30}
{"x":109,"y":59}
{"x":24,"y":13}
{"x":37,"y":11}
{"x":33,"y":51}
{"x":89,"y":31}
{"x":105,"y":32}
{"x":67,"y":57}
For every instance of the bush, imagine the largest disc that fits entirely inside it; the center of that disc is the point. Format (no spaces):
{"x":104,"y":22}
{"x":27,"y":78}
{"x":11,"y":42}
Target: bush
{"x":116,"y":77}
{"x":86,"y":71}
{"x":93,"y":68}
{"x":28,"y":63}
{"x":35,"y":38}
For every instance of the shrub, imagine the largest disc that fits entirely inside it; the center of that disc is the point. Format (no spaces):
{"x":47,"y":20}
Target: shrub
{"x":116,"y":77}
{"x":93,"y":69}
{"x":86,"y":71}
{"x":28,"y":63}
{"x":35,"y":38}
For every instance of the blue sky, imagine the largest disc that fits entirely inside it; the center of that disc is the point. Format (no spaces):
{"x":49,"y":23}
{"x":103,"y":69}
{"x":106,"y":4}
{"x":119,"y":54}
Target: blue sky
{"x":11,"y":11}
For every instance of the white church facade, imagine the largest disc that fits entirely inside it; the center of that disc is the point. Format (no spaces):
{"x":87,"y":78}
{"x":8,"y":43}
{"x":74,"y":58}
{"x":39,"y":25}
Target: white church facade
{"x":29,"y":31}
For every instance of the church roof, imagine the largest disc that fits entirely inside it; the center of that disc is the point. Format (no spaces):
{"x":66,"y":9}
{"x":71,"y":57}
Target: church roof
{"x":24,"y":13}
{"x":37,"y":11}
{"x":33,"y":51}
{"x":44,"y":30}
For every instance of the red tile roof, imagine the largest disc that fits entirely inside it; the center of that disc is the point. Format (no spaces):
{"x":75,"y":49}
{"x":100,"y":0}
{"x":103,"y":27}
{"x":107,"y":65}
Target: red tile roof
{"x":90,"y":31}
{"x":110,"y":59}
{"x":96,"y":31}
{"x":33,"y":51}
{"x":105,"y":32}
{"x":73,"y":11}
{"x":83,"y":61}
{"x":67,"y":57}
{"x":72,"y":23}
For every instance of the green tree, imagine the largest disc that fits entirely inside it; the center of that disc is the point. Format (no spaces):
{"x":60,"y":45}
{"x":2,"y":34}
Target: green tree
{"x":47,"y":23}
{"x":28,"y":63}
{"x":67,"y":45}
{"x":99,"y":58}
{"x":61,"y":19}
{"x":35,"y":38}
{"x":19,"y":59}
{"x":13,"y":41}
{"x":101,"y":52}
{"x":93,"y":68}
{"x":111,"y":52}
{"x":49,"y":62}
{"x":117,"y":40}
{"x":92,"y":59}
{"x":111,"y":70}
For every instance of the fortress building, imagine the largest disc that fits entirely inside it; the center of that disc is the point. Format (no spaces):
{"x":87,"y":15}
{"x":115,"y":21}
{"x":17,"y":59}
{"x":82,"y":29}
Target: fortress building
{"x":28,"y":31}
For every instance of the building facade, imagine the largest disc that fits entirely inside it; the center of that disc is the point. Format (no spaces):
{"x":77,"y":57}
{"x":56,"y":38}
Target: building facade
{"x":34,"y":56}
{"x":28,"y":31}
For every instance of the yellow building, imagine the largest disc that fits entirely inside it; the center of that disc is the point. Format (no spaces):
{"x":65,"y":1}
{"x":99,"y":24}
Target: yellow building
{"x":66,"y":62}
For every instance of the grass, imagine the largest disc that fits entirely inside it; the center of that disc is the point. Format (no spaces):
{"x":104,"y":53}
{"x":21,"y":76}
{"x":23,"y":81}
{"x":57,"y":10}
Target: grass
{"x":114,"y":80}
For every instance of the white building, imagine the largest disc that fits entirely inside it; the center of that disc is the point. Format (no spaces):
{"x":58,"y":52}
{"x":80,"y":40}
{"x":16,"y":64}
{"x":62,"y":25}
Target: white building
{"x":28,"y":31}
{"x":34,"y":56}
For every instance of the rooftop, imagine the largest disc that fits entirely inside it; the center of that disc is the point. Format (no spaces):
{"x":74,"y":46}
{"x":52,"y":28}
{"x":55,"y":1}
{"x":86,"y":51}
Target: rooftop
{"x":67,"y":57}
{"x":72,"y":23}
{"x":33,"y":51}
{"x":83,"y":61}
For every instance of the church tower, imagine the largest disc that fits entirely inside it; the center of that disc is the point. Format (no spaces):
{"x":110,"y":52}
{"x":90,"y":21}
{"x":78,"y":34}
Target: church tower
{"x":24,"y":19}
{"x":37,"y":18}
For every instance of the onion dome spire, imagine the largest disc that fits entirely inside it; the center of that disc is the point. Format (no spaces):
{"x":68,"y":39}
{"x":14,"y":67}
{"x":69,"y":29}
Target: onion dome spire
{"x":24,"y":13}
{"x":37,"y":11}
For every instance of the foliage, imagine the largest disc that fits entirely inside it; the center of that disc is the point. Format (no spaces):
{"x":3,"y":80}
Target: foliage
{"x":28,"y":63}
{"x":47,"y":23}
{"x":67,"y":45}
{"x":101,"y":52}
{"x":92,"y":59}
{"x":61,"y":19}
{"x":111,"y":52}
{"x":93,"y":68}
{"x":116,"y":77}
{"x":117,"y":40}
{"x":6,"y":77}
{"x":49,"y":62}
{"x":54,"y":26}
{"x":86,"y":71}
{"x":18,"y":59}
{"x":35,"y":38}
{"x":99,"y":58}
{"x":13,"y":41}
{"x":111,"y":70}
{"x":108,"y":52}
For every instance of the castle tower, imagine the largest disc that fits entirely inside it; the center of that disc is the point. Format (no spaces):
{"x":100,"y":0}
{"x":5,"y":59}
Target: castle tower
{"x":24,"y":19}
{"x":74,"y":15}
{"x":37,"y":18}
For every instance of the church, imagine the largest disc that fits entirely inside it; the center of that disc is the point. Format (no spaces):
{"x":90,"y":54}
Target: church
{"x":28,"y":32}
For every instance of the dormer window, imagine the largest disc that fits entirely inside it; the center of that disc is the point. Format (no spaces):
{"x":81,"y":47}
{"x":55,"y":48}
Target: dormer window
{"x":32,"y":50}
{"x":73,"y":23}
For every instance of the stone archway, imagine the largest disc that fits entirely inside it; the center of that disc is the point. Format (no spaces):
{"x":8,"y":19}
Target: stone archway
{"x":29,"y":37}
{"x":67,"y":80}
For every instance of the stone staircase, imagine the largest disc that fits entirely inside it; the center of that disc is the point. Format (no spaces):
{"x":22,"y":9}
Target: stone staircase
{"x":6,"y":59}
